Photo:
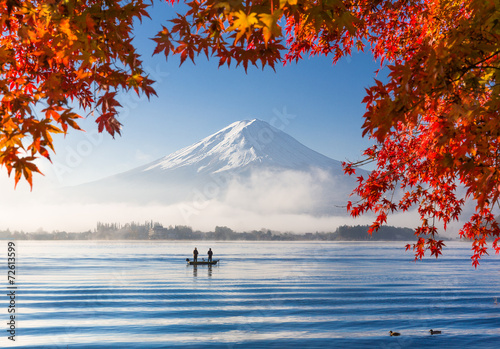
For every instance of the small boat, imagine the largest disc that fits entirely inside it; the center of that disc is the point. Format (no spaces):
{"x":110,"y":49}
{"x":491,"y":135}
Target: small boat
{"x":202,"y":262}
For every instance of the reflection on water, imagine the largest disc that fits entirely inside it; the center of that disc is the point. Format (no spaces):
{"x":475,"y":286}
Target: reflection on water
{"x":195,"y":269}
{"x":262,"y":295}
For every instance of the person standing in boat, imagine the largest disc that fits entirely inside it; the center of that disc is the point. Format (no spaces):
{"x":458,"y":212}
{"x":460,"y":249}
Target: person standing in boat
{"x":195,"y":255}
{"x":210,"y":253}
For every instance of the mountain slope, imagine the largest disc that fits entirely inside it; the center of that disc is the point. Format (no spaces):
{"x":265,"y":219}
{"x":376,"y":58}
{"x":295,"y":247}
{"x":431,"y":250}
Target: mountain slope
{"x":248,"y":164}
{"x":243,"y":144}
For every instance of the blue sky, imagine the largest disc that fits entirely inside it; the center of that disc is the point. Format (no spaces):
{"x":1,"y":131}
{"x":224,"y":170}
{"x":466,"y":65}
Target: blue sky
{"x":320,"y":103}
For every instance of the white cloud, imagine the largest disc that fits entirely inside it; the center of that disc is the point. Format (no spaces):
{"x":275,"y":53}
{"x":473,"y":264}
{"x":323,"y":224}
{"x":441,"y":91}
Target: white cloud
{"x":286,"y":201}
{"x":278,"y":201}
{"x":79,"y":217}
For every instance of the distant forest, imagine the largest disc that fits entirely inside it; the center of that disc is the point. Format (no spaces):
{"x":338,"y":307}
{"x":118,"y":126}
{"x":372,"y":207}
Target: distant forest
{"x":156,"y":231}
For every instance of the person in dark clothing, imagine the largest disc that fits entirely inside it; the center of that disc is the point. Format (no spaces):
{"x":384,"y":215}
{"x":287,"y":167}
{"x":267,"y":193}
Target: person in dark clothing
{"x":195,"y":255}
{"x":210,"y":253}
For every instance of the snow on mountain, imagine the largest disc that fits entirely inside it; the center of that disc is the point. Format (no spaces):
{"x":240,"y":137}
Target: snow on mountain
{"x":249,"y":165}
{"x":242,"y":144}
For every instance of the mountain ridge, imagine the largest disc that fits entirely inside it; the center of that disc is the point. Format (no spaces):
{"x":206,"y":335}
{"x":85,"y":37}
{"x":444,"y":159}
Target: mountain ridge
{"x":249,"y":165}
{"x":241,"y":144}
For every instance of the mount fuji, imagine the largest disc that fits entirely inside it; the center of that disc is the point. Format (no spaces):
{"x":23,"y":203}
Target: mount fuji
{"x":249,"y":165}
{"x":242,"y":145}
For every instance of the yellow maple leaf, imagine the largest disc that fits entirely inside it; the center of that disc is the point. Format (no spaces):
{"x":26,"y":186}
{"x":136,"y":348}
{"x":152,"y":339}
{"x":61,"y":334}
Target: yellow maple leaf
{"x":243,"y":23}
{"x":289,"y":2}
{"x":270,"y":25}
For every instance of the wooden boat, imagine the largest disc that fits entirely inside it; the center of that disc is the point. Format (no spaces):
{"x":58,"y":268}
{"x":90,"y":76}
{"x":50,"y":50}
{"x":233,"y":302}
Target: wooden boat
{"x":202,"y":262}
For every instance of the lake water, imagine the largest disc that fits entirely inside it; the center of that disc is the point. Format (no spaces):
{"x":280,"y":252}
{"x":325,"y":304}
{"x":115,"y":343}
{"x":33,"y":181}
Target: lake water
{"x":262,"y":295}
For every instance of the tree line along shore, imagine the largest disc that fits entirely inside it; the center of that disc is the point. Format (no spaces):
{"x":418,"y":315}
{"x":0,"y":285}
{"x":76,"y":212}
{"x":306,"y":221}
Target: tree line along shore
{"x":156,"y":231}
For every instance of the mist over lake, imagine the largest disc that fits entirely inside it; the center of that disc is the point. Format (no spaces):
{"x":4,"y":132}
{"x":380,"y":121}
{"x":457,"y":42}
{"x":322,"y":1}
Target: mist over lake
{"x":141,"y":294}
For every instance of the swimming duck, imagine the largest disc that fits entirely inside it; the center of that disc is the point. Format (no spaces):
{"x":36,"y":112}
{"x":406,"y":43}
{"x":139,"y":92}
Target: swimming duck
{"x":394,"y":333}
{"x":434,"y":332}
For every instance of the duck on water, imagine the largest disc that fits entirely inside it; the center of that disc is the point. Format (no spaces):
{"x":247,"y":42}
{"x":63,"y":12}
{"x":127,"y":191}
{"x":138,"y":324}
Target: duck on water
{"x":399,"y":334}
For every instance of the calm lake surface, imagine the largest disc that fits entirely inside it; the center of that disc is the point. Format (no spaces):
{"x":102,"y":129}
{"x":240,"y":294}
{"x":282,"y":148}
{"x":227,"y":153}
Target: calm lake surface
{"x":262,"y":295}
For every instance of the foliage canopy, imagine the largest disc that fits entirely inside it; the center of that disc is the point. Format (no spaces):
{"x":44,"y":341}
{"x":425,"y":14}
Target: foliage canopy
{"x":434,"y":119}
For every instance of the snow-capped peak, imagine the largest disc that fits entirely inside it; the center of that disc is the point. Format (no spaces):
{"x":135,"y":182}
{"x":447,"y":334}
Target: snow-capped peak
{"x":240,"y":144}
